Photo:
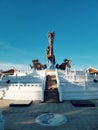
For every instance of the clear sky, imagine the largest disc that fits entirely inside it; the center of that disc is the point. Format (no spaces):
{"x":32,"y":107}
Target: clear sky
{"x":24,"y":25}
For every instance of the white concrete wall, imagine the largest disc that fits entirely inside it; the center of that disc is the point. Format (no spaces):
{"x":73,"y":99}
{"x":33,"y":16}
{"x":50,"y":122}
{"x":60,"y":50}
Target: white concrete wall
{"x":25,"y":92}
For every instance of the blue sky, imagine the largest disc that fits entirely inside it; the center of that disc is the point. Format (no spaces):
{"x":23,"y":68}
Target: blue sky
{"x":24,"y":25}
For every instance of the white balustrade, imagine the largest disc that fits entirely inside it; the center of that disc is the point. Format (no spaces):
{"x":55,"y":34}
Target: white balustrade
{"x":77,"y":85}
{"x":29,"y":87}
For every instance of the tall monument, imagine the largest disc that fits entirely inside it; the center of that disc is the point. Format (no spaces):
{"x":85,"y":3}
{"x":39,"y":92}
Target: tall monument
{"x":50,"y":51}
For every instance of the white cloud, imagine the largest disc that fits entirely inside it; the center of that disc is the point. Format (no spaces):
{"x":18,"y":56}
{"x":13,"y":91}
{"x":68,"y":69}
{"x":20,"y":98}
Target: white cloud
{"x":6,"y":66}
{"x":11,"y":48}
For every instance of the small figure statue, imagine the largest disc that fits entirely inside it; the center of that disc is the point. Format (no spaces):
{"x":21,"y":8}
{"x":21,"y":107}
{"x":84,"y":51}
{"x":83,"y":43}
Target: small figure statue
{"x":67,"y":63}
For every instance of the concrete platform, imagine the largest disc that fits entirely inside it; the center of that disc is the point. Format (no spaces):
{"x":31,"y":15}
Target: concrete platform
{"x":23,"y":118}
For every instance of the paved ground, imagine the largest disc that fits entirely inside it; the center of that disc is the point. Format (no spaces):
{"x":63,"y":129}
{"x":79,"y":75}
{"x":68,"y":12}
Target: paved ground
{"x":23,"y":118}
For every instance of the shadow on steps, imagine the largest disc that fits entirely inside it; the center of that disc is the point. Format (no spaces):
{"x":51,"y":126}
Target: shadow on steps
{"x":51,"y":94}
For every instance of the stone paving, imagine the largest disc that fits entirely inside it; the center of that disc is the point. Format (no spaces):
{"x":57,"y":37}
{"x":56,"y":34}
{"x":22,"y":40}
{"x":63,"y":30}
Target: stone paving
{"x":23,"y":118}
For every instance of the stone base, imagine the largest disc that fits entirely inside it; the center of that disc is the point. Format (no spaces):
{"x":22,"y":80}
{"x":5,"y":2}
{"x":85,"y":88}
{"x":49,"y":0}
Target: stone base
{"x":82,"y":103}
{"x":21,"y":103}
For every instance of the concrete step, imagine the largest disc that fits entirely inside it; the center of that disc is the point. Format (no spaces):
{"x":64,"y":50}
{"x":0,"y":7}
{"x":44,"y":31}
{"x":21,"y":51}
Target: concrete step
{"x":51,"y":96}
{"x":51,"y":82}
{"x":51,"y":78}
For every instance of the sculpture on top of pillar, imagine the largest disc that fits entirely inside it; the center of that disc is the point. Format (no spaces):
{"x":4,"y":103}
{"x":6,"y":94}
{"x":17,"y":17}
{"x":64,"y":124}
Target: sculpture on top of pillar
{"x":49,"y":51}
{"x":51,"y":37}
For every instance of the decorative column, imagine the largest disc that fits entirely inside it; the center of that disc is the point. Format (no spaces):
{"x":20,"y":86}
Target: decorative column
{"x":50,"y":51}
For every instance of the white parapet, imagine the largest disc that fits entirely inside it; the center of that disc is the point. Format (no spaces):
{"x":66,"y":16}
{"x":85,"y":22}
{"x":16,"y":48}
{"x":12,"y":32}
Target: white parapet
{"x":78,"y":85}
